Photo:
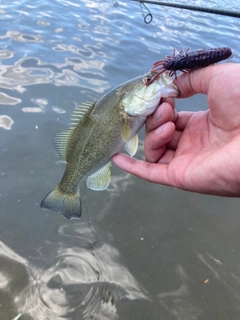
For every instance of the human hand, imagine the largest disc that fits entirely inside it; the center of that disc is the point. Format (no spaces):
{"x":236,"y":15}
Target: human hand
{"x":195,"y":151}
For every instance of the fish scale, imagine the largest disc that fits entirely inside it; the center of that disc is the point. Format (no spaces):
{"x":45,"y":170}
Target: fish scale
{"x":98,"y":131}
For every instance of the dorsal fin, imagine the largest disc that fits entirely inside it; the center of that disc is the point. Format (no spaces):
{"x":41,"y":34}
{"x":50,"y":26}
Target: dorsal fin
{"x":61,"y":139}
{"x":60,"y":142}
{"x":79,"y":113}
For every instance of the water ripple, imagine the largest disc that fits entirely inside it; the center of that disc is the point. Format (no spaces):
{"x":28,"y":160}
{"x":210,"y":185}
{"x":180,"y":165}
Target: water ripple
{"x":14,"y":276}
{"x":30,"y":71}
{"x":6,"y":122}
{"x":20,"y":37}
{"x":6,"y":99}
{"x":80,"y":282}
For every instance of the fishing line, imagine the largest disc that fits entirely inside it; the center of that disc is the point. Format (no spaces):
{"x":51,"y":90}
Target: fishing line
{"x":57,"y":96}
{"x":149,"y":16}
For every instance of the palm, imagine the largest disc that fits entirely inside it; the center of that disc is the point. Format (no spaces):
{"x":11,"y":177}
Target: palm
{"x":206,"y":157}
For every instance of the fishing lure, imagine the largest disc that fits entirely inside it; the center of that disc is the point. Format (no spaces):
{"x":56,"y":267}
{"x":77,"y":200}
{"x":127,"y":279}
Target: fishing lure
{"x":189,"y":60}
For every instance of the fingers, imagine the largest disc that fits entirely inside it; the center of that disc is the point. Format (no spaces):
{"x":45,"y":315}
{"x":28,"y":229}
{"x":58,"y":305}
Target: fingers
{"x":156,"y":140}
{"x":162,"y":134}
{"x":161,"y":131}
{"x":167,"y":157}
{"x":164,"y":113}
{"x":208,"y":80}
{"x":182,"y":119}
{"x":152,"y":172}
{"x":173,"y":143}
{"x":196,"y":81}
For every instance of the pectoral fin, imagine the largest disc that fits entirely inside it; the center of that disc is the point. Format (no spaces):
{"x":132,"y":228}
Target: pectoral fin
{"x":126,"y":131}
{"x":100,"y":180}
{"x":132,"y":145}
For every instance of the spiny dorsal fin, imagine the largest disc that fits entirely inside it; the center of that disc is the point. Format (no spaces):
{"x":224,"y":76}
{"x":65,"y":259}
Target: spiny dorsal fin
{"x":60,"y":142}
{"x":79,"y":113}
{"x":61,"y":139}
{"x":101,"y":179}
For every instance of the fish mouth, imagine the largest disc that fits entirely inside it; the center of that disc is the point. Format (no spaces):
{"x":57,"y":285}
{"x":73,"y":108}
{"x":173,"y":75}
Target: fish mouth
{"x":142,"y":99}
{"x":152,"y":98}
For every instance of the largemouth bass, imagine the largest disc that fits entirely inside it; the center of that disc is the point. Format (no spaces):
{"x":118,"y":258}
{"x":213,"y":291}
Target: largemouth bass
{"x":98,"y":131}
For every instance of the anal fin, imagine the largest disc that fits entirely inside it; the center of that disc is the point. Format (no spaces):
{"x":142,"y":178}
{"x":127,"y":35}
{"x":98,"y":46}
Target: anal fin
{"x":101,"y":179}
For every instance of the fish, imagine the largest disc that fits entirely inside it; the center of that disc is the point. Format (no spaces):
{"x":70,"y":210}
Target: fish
{"x":98,"y":131}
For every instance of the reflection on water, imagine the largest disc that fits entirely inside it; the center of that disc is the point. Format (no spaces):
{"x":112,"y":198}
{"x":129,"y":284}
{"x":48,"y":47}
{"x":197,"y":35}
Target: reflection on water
{"x":17,"y":36}
{"x":6,"y":122}
{"x":179,"y":302}
{"x":6,"y":99}
{"x":14,"y":277}
{"x":86,"y":280}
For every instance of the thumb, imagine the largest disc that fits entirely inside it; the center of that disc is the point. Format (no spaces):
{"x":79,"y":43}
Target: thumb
{"x":195,"y":81}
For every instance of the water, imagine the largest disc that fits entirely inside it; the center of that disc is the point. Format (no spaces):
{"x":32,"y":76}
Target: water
{"x":140,"y":251}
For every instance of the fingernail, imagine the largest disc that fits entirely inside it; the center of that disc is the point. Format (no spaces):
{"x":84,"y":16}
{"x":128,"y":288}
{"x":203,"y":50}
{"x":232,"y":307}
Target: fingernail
{"x":159,"y":112}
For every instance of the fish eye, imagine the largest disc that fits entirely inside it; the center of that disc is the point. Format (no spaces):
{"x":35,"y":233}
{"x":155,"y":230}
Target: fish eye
{"x":147,"y":80}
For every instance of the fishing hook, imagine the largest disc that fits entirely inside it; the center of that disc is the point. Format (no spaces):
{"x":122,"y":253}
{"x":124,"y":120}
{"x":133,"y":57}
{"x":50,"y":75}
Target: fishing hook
{"x":146,"y":17}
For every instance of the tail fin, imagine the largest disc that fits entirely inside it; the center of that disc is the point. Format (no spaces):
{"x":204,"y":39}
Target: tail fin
{"x":68,"y":204}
